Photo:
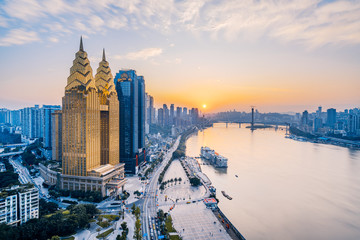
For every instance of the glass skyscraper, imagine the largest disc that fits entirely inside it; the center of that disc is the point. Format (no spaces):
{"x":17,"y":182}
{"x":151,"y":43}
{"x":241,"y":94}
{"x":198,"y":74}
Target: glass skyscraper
{"x":131,"y":94}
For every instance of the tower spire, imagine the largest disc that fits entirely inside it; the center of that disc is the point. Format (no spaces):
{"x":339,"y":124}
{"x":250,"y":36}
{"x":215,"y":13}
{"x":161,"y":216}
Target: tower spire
{"x":81,"y":44}
{"x":103,"y":57}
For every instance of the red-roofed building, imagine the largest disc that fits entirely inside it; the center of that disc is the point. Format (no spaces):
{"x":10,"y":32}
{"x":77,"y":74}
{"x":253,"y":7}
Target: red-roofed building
{"x":210,"y":203}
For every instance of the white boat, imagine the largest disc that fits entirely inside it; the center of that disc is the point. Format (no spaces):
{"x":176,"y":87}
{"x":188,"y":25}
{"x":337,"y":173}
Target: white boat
{"x":213,"y":157}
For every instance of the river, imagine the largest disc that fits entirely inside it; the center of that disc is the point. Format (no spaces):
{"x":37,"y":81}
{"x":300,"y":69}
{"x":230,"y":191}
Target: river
{"x":285,"y":189}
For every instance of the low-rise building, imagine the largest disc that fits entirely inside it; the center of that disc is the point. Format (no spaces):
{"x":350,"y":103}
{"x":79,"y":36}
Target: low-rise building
{"x":210,"y":203}
{"x":107,"y":179}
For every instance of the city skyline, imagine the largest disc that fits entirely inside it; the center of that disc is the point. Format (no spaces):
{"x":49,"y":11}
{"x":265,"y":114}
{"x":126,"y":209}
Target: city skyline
{"x":280,"y":56}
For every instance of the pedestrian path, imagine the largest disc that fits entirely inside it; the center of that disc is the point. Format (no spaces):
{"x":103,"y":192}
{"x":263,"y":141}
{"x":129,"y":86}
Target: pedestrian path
{"x":195,"y":221}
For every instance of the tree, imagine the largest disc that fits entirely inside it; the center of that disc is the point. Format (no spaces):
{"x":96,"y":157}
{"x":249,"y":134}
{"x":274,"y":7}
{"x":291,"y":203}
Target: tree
{"x":46,"y":208}
{"x":194,"y":181}
{"x":79,"y":214}
{"x":161,"y":215}
{"x":56,"y":237}
{"x":125,"y":230}
{"x":91,"y":209}
{"x":137,"y":212}
{"x":8,"y":179}
{"x":133,"y":208}
{"x":137,"y":233}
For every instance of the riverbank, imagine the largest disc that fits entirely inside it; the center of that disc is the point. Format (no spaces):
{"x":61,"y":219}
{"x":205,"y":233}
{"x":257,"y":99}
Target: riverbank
{"x":192,"y":165}
{"x":304,"y":136}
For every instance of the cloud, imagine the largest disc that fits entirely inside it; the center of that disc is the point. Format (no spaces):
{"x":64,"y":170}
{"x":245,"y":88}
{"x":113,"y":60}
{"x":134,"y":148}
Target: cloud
{"x":19,"y":37}
{"x":96,"y":22}
{"x":143,"y":54}
{"x":3,"y":22}
{"x":313,"y":23}
{"x":23,"y":9}
{"x":53,"y":39}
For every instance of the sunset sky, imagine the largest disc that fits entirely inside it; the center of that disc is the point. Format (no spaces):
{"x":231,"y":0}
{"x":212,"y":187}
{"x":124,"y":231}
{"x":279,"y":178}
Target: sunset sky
{"x":228,"y":54}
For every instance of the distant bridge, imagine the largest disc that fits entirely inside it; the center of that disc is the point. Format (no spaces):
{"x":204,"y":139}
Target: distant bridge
{"x":249,"y":122}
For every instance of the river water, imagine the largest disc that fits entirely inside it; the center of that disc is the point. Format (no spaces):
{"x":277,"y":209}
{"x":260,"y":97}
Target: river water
{"x":285,"y":189}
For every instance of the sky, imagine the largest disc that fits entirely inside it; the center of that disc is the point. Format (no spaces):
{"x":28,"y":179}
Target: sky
{"x":277,"y":55}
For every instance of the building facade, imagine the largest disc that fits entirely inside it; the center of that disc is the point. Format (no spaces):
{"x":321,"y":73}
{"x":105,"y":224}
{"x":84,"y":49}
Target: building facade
{"x":46,"y":112}
{"x":19,"y":205}
{"x":89,"y":130}
{"x":56,"y":135}
{"x":131,"y":94}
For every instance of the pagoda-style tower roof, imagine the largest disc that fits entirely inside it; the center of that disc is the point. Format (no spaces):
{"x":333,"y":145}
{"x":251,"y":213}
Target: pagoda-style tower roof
{"x":103,"y":77}
{"x":81,"y":71}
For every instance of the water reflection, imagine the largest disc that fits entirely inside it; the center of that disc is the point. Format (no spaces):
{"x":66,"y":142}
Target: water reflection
{"x":285,"y":189}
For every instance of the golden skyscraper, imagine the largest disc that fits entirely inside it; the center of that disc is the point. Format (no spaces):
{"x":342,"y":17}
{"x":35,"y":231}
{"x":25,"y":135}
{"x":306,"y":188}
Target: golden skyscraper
{"x":109,"y":109}
{"x":80,"y":119}
{"x":89,"y":132}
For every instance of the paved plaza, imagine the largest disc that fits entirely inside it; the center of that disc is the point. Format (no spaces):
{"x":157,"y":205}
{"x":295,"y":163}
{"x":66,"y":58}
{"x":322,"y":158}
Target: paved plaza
{"x":195,"y":221}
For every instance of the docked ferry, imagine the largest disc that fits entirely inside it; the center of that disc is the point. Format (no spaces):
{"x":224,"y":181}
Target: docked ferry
{"x":213,"y":157}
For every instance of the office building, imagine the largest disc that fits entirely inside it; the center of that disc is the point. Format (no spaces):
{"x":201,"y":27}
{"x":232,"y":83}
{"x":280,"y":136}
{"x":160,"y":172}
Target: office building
{"x":141,"y":112}
{"x":317,"y":124}
{"x":166,"y":115}
{"x":131,"y":93}
{"x":305,"y":118}
{"x":172,"y":115}
{"x":331,"y":118}
{"x":56,"y":134}
{"x":161,"y":121}
{"x":89,"y":131}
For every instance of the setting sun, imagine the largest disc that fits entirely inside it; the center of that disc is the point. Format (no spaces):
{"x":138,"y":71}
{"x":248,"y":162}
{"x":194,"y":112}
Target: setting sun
{"x":204,"y":106}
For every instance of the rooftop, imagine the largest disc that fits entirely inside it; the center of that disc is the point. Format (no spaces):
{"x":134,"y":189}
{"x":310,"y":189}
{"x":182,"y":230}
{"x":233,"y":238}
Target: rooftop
{"x":210,"y":200}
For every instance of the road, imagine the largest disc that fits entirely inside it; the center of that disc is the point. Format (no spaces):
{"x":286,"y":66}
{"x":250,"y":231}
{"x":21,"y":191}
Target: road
{"x":149,"y":208}
{"x":25,"y":177}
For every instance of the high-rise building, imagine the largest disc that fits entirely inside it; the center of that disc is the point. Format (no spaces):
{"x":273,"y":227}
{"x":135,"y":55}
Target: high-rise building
{"x":331,"y":118}
{"x":150,"y":114}
{"x":152,"y":109}
{"x":131,"y":93}
{"x":109,"y":114}
{"x":46,"y":112}
{"x":15,"y":118}
{"x":305,"y":118}
{"x":3,"y":115}
{"x":141,"y":111}
{"x":31,"y":123}
{"x":90,"y":130}
{"x":185,"y":112}
{"x":172,"y":114}
{"x":56,"y":135}
{"x":161,"y":121}
{"x":178,"y":116}
{"x":18,"y":205}
{"x":319,"y":112}
{"x":317,"y":124}
{"x":353,"y":123}
{"x":166,"y":115}
{"x":194,"y":112}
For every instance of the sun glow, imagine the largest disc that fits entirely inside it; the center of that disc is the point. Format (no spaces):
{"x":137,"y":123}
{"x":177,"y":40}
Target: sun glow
{"x":204,"y":106}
